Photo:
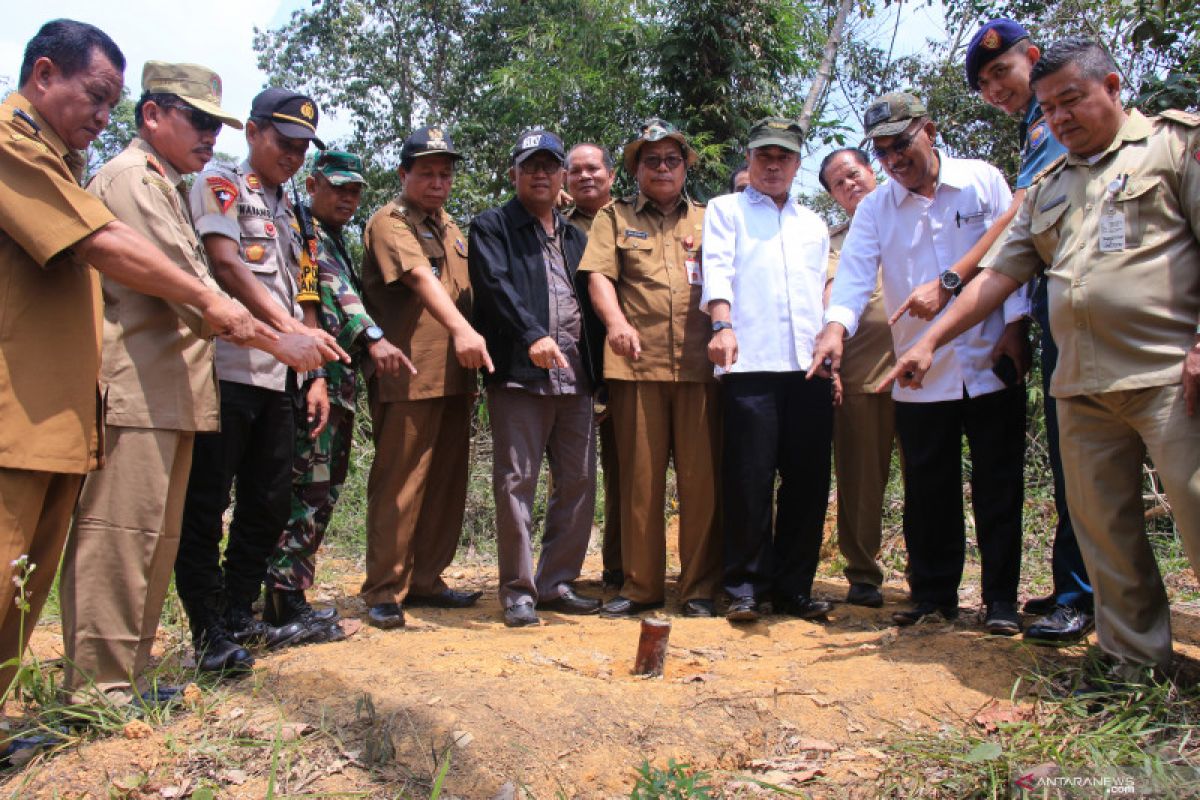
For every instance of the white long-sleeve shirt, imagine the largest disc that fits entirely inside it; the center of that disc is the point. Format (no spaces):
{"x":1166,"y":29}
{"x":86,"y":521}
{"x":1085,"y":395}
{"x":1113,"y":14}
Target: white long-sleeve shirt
{"x":916,"y":239}
{"x":768,"y":263}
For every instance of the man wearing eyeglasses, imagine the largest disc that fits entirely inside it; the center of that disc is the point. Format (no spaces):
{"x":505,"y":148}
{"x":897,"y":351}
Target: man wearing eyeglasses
{"x":157,"y":369}
{"x":643,"y":256}
{"x":934,"y":209}
{"x":540,"y":333}
{"x":249,"y":231}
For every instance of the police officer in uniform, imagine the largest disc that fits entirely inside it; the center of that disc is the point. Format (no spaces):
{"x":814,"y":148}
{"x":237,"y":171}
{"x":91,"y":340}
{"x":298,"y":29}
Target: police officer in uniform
{"x":247,"y":225}
{"x":644,"y":258}
{"x":416,"y":285}
{"x":334,"y":184}
{"x":1116,"y":220}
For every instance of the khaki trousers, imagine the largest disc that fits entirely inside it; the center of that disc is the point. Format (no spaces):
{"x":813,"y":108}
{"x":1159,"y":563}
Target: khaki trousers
{"x":120,"y":554}
{"x":655,"y":421}
{"x":1103,"y":439}
{"x":416,"y":495}
{"x":35,"y":513}
{"x":863,"y":430}
{"x":610,"y":549}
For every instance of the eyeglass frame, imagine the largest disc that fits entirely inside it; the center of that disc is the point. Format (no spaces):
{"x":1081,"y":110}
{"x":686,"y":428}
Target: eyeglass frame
{"x":902,"y":143}
{"x":527,"y":167}
{"x":191,"y":112}
{"x":654,"y":162}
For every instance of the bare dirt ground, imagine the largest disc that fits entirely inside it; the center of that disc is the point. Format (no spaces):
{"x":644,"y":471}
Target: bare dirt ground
{"x":554,"y":711}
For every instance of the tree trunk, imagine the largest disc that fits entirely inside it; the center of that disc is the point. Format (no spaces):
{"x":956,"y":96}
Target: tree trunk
{"x":825,"y":71}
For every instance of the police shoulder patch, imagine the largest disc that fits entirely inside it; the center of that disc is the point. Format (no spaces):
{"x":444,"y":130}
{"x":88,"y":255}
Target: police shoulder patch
{"x":223,"y":190}
{"x":1182,"y":117}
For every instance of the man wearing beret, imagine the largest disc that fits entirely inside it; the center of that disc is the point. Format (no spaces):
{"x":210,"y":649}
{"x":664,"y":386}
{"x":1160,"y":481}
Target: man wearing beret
{"x":928,"y":216}
{"x":643,"y":257}
{"x":537,"y":322}
{"x":157,"y":369}
{"x":253,"y":243}
{"x":764,"y":278}
{"x":51,"y":233}
{"x":416,"y":285}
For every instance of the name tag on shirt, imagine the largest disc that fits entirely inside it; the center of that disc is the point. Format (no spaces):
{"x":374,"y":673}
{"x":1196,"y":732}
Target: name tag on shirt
{"x":1112,"y":230}
{"x":695,"y":276}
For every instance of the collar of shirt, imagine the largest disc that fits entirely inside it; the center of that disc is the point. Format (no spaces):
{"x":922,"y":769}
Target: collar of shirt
{"x":75,"y":159}
{"x":642,"y":201}
{"x":755,"y":196}
{"x":952,"y":173}
{"x":173,"y":177}
{"x":1032,"y":114}
{"x":1136,"y":128}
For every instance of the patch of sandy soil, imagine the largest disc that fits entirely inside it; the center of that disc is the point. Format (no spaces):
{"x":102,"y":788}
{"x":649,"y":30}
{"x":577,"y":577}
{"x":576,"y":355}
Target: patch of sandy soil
{"x":554,"y":711}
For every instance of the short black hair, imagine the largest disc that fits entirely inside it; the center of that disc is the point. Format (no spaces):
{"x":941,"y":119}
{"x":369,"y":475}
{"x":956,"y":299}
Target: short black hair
{"x":162,"y":99}
{"x":859,"y":155}
{"x":69,"y":44}
{"x":1093,"y":61}
{"x":605,"y":155}
{"x":733,"y":176}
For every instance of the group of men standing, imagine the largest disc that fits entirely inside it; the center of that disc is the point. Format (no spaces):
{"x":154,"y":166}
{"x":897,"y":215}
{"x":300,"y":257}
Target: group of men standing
{"x":714,"y":336}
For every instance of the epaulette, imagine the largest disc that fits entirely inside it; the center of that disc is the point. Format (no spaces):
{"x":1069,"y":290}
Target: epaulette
{"x":1051,"y":167}
{"x":1182,"y":117}
{"x":694,"y":201}
{"x":34,"y":128}
{"x":153,"y":164}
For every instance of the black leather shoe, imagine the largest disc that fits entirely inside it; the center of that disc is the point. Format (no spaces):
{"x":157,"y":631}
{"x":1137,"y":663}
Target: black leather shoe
{"x":624,"y":607}
{"x":250,"y":632}
{"x":570,"y":603}
{"x":520,"y":614}
{"x":219,"y":653}
{"x":386,"y":616}
{"x":1040,"y":605}
{"x":447,"y":598}
{"x":698,"y":607}
{"x":742,"y":609}
{"x":1063,"y":625}
{"x":802,"y":607}
{"x":936,"y":613}
{"x":864,"y":594}
{"x":1002,"y":618}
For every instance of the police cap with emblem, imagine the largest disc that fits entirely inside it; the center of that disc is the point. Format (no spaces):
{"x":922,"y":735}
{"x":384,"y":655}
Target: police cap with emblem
{"x":654,"y":130}
{"x":777,"y":131}
{"x":293,"y":114}
{"x":535,"y":140}
{"x":990,"y":41}
{"x":195,"y":85}
{"x":891,"y":114}
{"x":431,"y":141}
{"x":338,"y":167}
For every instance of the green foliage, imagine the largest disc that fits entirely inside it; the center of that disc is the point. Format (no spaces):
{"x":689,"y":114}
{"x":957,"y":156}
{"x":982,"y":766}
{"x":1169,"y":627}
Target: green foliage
{"x":674,"y":782}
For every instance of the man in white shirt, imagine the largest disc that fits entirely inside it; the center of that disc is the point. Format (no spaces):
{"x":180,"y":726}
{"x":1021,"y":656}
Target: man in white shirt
{"x":918,"y":225}
{"x":764,"y":272}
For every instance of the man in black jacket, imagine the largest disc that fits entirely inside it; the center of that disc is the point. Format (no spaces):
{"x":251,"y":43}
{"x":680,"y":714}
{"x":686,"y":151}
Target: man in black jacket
{"x":522,"y":259}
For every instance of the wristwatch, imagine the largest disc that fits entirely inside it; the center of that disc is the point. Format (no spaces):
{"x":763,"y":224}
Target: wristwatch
{"x":721,"y":325}
{"x":373,"y":334}
{"x":951,"y":281}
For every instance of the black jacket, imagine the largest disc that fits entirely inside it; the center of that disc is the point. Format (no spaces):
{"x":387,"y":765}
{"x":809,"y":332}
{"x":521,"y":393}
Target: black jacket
{"x":512,"y":301}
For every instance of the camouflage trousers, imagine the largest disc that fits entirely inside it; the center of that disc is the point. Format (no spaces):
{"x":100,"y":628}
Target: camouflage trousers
{"x":318,"y":472}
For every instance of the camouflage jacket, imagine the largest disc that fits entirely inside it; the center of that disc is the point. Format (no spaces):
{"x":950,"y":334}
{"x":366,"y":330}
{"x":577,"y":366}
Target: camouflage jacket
{"x":343,"y":315}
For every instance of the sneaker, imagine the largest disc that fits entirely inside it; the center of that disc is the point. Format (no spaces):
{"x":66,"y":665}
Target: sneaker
{"x":1002,"y":618}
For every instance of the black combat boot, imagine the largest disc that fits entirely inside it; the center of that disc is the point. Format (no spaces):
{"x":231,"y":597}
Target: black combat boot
{"x":216,"y":651}
{"x":284,"y":607}
{"x":251,"y":632}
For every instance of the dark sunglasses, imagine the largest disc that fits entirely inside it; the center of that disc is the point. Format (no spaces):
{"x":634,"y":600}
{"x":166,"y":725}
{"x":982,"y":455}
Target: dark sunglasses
{"x":896,"y":148}
{"x":200,"y":120}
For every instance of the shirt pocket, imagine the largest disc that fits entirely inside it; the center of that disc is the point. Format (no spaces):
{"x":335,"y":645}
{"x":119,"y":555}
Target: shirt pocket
{"x":1044,"y":231}
{"x":259,"y":245}
{"x":1136,"y":202}
{"x":639,"y":259}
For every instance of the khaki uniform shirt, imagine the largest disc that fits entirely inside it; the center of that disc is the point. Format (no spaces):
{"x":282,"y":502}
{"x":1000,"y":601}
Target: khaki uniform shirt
{"x":647,"y":254}
{"x":233,"y":202}
{"x":397,"y":240}
{"x":157,"y":367}
{"x":580,"y":219}
{"x":1123,"y":314}
{"x":868,"y":355}
{"x":49,"y":301}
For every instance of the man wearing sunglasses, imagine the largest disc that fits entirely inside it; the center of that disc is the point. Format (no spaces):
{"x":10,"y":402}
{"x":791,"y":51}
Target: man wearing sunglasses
{"x":643,"y":256}
{"x":934,"y":209}
{"x":249,"y":232}
{"x":540,"y":333}
{"x":157,"y":368}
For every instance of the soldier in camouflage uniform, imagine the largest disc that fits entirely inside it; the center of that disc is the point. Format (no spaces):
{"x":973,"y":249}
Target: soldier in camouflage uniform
{"x":322,"y":456}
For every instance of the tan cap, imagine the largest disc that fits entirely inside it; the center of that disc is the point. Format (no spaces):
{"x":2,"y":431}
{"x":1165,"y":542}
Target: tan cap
{"x":195,"y":85}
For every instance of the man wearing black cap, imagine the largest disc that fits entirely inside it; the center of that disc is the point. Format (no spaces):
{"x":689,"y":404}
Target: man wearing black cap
{"x":416,"y":286}
{"x":523,"y":258}
{"x":249,"y":232}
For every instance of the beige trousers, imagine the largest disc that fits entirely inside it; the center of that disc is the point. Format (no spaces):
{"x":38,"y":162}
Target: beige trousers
{"x":863,"y":430}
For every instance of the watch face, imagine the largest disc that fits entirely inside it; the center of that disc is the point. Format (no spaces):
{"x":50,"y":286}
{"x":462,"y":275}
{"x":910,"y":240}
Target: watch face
{"x":374,"y":333}
{"x":951,"y":280}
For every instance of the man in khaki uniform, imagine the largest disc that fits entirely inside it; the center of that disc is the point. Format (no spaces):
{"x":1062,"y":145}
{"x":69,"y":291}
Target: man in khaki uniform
{"x":589,"y":176}
{"x":644,"y":256}
{"x":1116,"y":219}
{"x":864,"y":425}
{"x":51,"y":230}
{"x":157,"y":371}
{"x":416,"y":287}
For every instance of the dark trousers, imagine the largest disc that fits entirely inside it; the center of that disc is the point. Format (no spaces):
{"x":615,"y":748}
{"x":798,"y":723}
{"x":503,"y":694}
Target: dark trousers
{"x":934,"y":531}
{"x":774,"y":423}
{"x":1071,"y":585}
{"x":254,"y":448}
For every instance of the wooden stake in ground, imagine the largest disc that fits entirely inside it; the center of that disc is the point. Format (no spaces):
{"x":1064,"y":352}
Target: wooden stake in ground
{"x":652,"y":647}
